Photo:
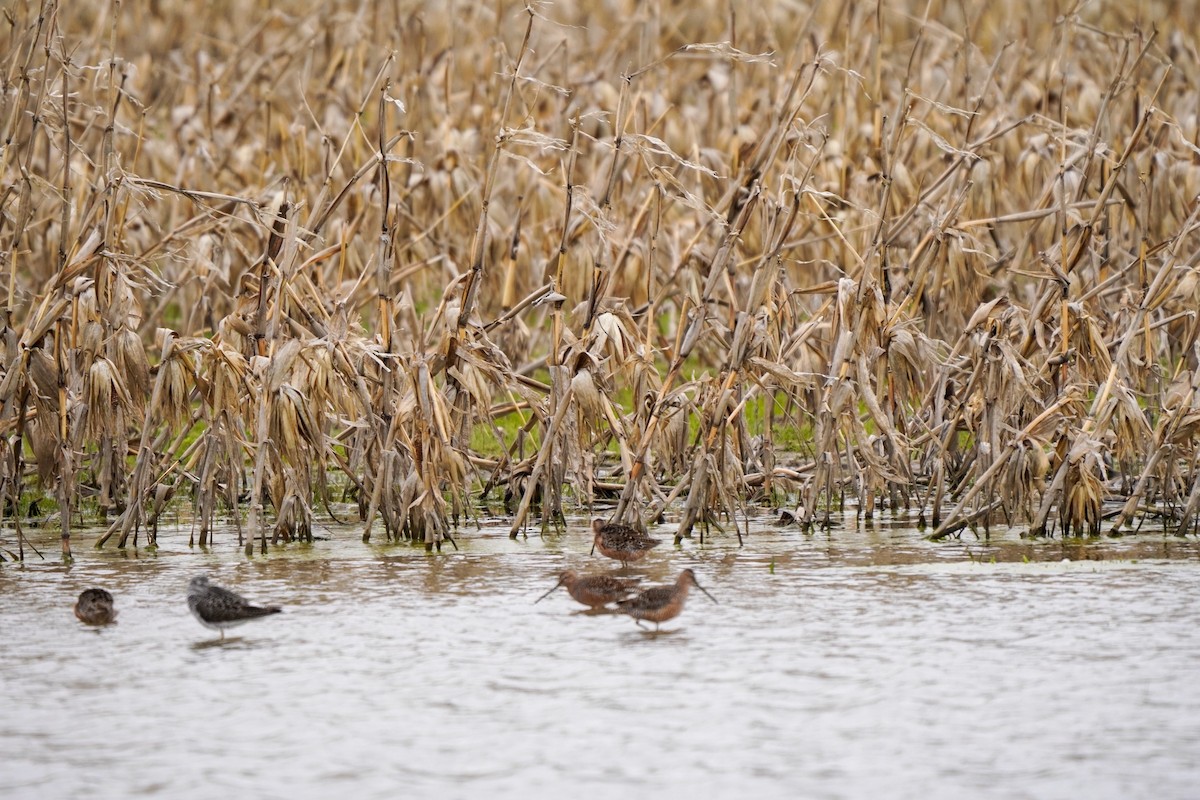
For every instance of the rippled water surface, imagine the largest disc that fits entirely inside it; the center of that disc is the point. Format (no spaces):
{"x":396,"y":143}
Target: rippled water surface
{"x":866,"y":662}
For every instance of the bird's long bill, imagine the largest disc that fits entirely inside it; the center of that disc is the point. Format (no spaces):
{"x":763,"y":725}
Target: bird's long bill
{"x":593,"y":548}
{"x":547,"y":594}
{"x":706,"y":594}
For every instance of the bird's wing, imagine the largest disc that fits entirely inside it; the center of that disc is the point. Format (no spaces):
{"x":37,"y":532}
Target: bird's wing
{"x":225,"y":597}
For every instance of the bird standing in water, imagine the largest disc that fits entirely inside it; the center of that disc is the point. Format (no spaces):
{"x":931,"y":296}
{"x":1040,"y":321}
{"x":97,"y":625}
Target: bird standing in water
{"x":621,"y":542}
{"x":593,"y":590}
{"x":95,"y":607}
{"x":662,"y":603}
{"x":219,"y":608}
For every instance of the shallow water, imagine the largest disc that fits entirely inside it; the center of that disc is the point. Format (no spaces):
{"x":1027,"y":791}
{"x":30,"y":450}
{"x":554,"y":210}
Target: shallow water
{"x":864,"y":662}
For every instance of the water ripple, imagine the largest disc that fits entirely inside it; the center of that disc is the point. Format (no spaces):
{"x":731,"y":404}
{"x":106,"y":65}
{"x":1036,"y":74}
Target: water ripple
{"x":829,"y":669}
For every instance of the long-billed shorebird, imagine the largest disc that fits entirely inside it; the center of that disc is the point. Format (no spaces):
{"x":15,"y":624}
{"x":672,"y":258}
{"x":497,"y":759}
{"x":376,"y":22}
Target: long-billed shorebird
{"x":593,"y":590}
{"x":662,"y":603}
{"x":219,"y":608}
{"x":95,"y":607}
{"x":621,"y":542}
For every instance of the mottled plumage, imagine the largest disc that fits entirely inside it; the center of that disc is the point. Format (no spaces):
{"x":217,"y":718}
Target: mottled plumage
{"x":593,"y":590}
{"x":621,"y":542}
{"x":662,"y":602}
{"x":95,"y":607}
{"x":220,"y":608}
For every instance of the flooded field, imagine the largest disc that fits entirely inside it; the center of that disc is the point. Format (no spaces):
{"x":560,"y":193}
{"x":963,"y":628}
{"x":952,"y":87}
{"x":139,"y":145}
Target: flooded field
{"x":261,"y":258}
{"x":866,"y":662}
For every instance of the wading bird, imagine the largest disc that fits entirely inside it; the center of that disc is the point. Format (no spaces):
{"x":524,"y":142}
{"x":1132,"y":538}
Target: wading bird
{"x":219,"y":608}
{"x":593,"y":590}
{"x":662,"y":602}
{"x":621,"y":542}
{"x":95,"y":607}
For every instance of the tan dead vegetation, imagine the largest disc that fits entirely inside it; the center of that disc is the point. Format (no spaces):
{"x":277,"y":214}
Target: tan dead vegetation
{"x":261,"y":257}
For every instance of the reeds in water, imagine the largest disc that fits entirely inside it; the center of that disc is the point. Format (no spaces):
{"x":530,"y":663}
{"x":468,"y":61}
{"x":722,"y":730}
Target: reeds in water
{"x":696,"y":257}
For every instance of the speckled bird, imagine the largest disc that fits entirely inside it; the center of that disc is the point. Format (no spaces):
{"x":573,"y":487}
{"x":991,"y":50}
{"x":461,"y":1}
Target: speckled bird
{"x":662,"y":603}
{"x":593,"y":590}
{"x":95,"y":607}
{"x":219,"y":608}
{"x":621,"y":542}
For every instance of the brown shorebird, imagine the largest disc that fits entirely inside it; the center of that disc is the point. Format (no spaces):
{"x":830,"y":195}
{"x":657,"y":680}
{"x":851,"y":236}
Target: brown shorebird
{"x":621,"y":542}
{"x":219,"y":608}
{"x":95,"y":607}
{"x":662,"y":602}
{"x":593,"y":590}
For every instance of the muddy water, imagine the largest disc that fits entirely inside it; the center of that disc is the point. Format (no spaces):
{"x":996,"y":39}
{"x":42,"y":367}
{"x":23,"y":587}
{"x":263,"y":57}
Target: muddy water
{"x":863,"y":663}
